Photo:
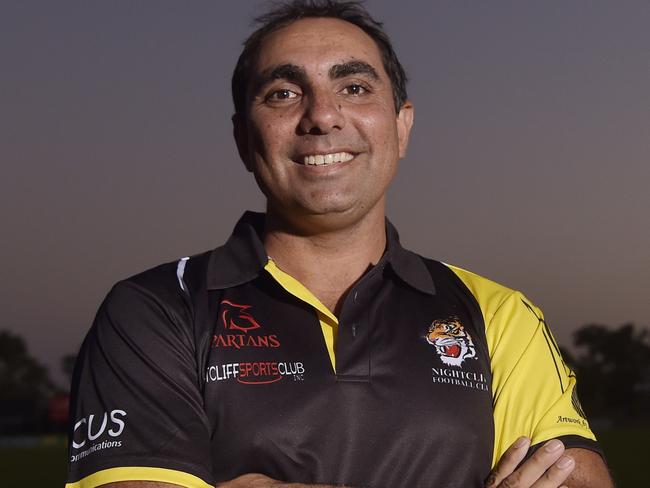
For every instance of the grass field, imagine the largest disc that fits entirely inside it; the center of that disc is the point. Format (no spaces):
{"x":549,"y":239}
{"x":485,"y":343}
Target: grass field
{"x":38,"y":467}
{"x":626,"y":451}
{"x":45,"y":466}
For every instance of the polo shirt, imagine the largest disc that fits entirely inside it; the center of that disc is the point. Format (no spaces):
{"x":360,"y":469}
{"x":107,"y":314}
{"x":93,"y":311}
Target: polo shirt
{"x":210,"y":367}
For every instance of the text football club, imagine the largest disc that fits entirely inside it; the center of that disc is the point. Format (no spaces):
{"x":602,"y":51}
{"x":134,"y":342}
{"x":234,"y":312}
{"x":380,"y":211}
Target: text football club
{"x":255,"y":373}
{"x":467,"y":379}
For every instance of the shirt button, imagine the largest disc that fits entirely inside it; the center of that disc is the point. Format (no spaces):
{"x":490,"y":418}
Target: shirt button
{"x":356,"y":297}
{"x":354,"y":329}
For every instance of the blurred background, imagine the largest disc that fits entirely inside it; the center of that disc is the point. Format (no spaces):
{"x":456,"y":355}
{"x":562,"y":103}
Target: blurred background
{"x":529,"y":164}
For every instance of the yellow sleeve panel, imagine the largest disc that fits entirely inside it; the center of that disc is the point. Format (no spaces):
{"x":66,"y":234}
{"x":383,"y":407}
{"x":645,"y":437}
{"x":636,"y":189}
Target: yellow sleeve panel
{"x":533,"y":389}
{"x":140,"y":473}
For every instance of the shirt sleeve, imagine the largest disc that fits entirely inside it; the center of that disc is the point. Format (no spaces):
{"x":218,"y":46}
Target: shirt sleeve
{"x":137,"y":410}
{"x":534,"y":390}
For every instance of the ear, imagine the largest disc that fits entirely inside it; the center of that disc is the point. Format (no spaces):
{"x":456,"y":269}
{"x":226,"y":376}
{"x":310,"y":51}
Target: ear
{"x":240,"y":132}
{"x":404,"y":124}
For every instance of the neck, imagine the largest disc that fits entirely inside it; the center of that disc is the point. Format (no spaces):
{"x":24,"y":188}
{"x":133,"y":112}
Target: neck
{"x":330,"y":261}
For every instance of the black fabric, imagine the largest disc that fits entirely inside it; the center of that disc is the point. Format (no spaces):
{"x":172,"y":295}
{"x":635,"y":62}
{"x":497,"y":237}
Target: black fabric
{"x":379,"y":421}
{"x":223,"y":372}
{"x":136,"y":400}
{"x":242,"y":257}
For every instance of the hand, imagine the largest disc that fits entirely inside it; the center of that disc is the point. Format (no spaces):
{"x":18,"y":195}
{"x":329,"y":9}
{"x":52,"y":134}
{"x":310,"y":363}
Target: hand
{"x":547,"y":468}
{"x":255,"y":480}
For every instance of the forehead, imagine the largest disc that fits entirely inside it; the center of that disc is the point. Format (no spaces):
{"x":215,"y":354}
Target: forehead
{"x":317,"y":43}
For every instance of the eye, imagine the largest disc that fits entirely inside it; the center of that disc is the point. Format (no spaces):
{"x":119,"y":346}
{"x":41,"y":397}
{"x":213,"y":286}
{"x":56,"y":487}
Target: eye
{"x":282,"y":94}
{"x":354,"y":89}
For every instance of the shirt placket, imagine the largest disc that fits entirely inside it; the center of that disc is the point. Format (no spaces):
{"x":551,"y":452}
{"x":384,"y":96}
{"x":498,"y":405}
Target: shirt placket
{"x":355,"y":328}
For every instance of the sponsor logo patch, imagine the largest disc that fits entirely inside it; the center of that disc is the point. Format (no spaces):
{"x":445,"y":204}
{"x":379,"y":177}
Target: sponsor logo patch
{"x":105,"y":429}
{"x":239,"y":323}
{"x":255,"y":372}
{"x":241,"y":330}
{"x":238,"y":317}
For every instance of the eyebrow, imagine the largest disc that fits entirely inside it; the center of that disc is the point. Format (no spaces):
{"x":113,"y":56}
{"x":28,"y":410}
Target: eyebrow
{"x":353,"y":68}
{"x":294,"y":73}
{"x":288,"y":71}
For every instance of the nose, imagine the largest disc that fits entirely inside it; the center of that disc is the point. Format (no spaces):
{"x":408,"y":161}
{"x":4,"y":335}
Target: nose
{"x":322,"y":114}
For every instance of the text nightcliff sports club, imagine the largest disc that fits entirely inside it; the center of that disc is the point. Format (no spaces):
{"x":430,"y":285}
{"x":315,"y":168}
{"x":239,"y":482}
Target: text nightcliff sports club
{"x":255,"y":372}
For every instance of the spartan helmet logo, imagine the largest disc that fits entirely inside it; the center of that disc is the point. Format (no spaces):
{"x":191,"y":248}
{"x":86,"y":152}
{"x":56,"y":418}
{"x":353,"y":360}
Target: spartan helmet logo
{"x":237,"y":317}
{"x":452,"y":343}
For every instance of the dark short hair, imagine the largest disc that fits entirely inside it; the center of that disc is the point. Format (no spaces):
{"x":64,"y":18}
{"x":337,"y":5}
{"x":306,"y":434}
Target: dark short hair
{"x":288,"y":12}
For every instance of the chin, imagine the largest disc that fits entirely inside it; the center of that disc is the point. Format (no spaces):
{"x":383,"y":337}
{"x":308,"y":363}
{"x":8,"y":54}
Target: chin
{"x":334,"y":208}
{"x":331,"y":218}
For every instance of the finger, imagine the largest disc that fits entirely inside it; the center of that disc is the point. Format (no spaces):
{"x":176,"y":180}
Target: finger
{"x":508,"y":462}
{"x":535,"y":467}
{"x":556,"y":474}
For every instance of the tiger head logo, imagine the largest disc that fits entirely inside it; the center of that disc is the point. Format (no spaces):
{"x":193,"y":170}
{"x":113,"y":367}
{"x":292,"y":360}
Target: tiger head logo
{"x":453,"y":344}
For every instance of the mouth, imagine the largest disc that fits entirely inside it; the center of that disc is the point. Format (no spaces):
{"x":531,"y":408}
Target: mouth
{"x":325,"y":159}
{"x":452,"y":350}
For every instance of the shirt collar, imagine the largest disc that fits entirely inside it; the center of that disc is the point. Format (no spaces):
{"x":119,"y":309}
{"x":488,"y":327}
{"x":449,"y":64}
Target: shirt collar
{"x":243,"y":257}
{"x":407,"y":265}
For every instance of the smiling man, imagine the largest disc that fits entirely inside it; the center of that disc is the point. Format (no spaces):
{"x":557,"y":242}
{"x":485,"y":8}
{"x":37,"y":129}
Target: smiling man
{"x":312,"y":347}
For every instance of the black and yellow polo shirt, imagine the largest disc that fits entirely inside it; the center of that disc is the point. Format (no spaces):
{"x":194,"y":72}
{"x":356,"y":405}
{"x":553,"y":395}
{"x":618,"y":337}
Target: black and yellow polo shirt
{"x":221,"y":364}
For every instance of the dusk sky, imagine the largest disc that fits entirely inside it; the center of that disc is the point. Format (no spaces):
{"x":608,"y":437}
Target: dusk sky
{"x":529,"y":162}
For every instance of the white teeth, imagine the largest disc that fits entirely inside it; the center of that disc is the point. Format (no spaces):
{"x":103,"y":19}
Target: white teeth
{"x":325,"y":159}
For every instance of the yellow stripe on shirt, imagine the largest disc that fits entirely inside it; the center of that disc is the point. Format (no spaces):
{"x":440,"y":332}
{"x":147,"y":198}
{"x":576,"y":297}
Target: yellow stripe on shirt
{"x":140,"y":473}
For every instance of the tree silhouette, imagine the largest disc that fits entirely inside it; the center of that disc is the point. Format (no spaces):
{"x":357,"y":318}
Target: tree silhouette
{"x":613,"y":368}
{"x":25,"y":386}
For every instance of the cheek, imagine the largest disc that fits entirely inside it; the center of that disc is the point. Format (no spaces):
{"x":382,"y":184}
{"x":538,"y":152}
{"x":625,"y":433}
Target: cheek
{"x":381,"y":128}
{"x":270,"y":136}
{"x":387,"y":142}
{"x":264,"y":141}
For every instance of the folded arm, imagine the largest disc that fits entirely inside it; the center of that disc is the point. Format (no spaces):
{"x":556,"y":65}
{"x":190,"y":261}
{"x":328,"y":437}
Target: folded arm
{"x":550,"y":467}
{"x":245,"y":481}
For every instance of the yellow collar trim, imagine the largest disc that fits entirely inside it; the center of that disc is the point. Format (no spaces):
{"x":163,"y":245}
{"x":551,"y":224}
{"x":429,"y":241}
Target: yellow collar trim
{"x":297,"y":289}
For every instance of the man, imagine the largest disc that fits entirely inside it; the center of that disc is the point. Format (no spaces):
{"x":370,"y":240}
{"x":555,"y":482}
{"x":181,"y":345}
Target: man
{"x":311,"y":347}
